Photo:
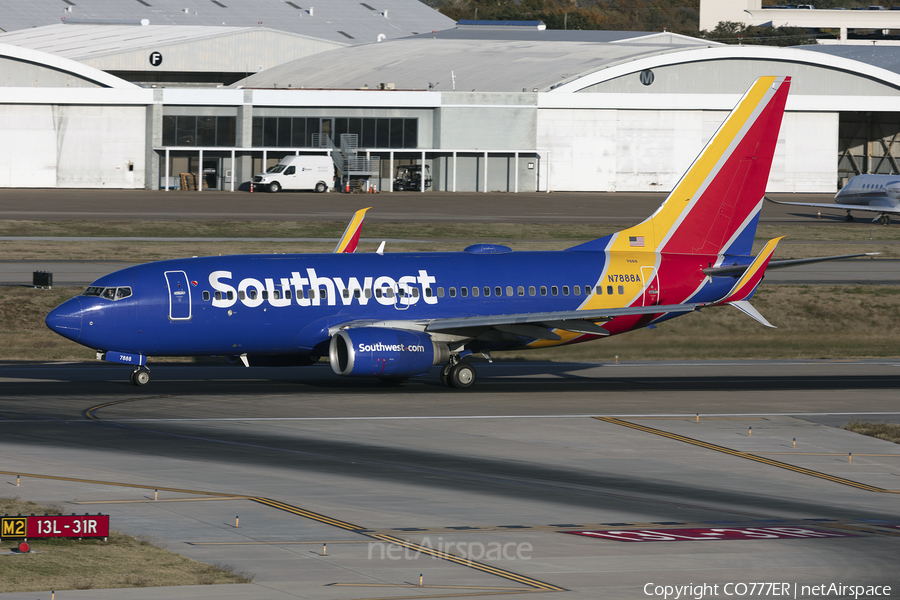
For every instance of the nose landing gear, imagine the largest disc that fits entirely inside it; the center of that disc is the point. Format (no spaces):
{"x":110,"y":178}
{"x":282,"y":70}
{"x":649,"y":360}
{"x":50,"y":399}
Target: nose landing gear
{"x":140,"y":376}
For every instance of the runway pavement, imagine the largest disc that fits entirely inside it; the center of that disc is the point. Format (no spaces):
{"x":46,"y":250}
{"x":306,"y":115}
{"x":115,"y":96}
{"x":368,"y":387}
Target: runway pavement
{"x":431,"y":207}
{"x":389,"y":476}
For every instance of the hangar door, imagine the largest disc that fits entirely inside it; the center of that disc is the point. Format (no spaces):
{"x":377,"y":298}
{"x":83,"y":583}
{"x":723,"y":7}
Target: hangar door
{"x":869,"y":142}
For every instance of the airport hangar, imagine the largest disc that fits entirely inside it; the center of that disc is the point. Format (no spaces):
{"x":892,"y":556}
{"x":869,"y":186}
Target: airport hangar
{"x":488,"y":108}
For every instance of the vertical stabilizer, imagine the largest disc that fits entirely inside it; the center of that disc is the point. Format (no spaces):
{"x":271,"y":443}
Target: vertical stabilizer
{"x":715,"y":206}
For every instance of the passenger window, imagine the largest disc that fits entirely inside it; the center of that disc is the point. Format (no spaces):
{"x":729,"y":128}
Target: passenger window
{"x":587,"y":290}
{"x":608,"y":289}
{"x":241,"y":294}
{"x":205,"y":296}
{"x":531,"y":290}
{"x":565,"y":290}
{"x":621,"y":289}
{"x":600,"y":289}
{"x":543,"y":290}
{"x":474,"y":292}
{"x":323,"y":293}
{"x":389,"y":293}
{"x":357,"y":293}
{"x":554,"y":290}
{"x":487,"y":291}
{"x":276,"y":294}
{"x":453,"y":292}
{"x":265,"y":295}
{"x":251,"y":294}
{"x":509,"y":290}
{"x":368,"y":293}
{"x":521,"y":290}
{"x":287,"y":294}
{"x":345,"y":293}
{"x":428,"y":292}
{"x":576,"y":289}
{"x":498,"y":291}
{"x":218,"y":295}
{"x":415,"y":292}
{"x":378,"y":293}
{"x":440,"y":292}
{"x":230,"y":295}
{"x":463,"y":292}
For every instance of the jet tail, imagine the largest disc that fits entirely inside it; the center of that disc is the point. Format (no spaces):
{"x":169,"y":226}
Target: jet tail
{"x":714,"y":207}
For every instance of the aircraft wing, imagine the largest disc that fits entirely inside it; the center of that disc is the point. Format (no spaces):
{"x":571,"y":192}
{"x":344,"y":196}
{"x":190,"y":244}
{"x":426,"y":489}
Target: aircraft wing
{"x":350,"y":238}
{"x":877,"y":208}
{"x":558,"y":319}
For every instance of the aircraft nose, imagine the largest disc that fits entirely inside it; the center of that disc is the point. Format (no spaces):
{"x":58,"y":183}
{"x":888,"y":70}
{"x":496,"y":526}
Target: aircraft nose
{"x":65,"y":319}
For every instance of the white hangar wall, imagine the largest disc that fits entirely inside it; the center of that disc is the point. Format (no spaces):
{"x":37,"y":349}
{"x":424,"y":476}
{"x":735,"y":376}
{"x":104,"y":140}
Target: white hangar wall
{"x":66,"y":146}
{"x":648,"y":150}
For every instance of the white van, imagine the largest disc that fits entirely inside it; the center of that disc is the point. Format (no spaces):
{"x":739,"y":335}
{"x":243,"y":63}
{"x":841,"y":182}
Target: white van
{"x":301,"y":172}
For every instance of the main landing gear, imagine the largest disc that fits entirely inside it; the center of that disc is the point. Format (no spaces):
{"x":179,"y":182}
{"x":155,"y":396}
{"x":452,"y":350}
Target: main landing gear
{"x":458,"y":373}
{"x":885,"y":219}
{"x":140,"y":376}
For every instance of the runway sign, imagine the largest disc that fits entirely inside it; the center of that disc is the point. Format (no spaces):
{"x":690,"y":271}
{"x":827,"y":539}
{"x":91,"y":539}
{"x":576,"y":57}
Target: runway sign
{"x":54,"y":526}
{"x":704,"y":534}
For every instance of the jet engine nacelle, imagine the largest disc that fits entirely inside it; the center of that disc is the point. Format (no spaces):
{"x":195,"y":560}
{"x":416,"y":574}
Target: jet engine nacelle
{"x":382,"y":352}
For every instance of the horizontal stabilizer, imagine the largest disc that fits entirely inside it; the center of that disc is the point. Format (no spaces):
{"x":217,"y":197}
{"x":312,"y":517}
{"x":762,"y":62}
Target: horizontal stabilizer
{"x":747,"y":309}
{"x":746,"y":285}
{"x":734,"y":271}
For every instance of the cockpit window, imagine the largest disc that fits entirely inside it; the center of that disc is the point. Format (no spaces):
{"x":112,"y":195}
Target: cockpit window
{"x":109,"y":293}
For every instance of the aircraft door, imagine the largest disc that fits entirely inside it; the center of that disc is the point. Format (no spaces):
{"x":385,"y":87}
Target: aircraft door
{"x":402,"y":298}
{"x":179,"y":295}
{"x":651,"y":286}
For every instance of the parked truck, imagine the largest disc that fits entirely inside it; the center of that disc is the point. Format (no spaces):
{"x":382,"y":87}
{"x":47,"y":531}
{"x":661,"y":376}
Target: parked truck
{"x":301,"y":172}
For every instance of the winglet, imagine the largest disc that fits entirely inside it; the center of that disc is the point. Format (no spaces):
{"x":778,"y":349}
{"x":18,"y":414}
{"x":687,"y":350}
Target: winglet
{"x":350,"y":240}
{"x":752,"y":277}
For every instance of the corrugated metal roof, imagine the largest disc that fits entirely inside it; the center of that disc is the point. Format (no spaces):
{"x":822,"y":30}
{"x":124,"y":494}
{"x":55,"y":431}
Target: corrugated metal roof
{"x":884,"y":57}
{"x":360,"y":22}
{"x":535,"y":35}
{"x":481,"y":65}
{"x":80,"y":42}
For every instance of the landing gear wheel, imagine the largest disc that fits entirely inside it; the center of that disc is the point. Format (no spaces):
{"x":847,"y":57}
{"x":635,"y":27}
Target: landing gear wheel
{"x":445,"y":374}
{"x":462,"y":376}
{"x":274,"y":187}
{"x":140,"y":376}
{"x":885,"y":220}
{"x":321,"y":187}
{"x":849,"y":218}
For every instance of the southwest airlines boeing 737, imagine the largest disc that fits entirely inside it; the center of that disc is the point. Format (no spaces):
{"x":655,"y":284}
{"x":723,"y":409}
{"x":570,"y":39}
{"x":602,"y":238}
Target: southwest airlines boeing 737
{"x":394,"y":316}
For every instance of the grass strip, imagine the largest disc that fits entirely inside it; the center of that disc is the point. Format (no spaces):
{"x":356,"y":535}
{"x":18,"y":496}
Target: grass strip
{"x":883,"y":431}
{"x":120,"y":562}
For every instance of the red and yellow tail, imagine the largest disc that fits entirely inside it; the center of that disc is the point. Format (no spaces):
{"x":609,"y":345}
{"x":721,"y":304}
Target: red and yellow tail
{"x":714,"y":207}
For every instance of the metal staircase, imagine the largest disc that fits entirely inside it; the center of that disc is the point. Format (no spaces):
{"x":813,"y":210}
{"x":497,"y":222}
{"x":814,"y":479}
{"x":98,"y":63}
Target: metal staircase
{"x":352,"y":166}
